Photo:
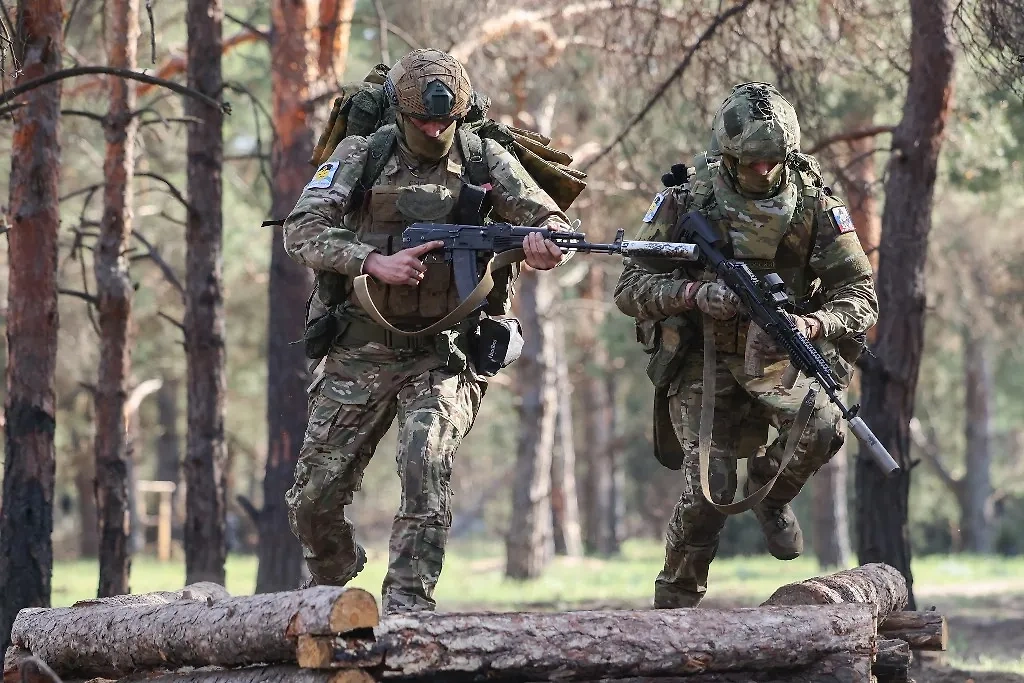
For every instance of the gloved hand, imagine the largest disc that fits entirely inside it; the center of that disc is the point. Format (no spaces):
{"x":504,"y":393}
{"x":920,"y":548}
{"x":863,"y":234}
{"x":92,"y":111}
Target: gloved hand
{"x":761,"y":343}
{"x":717,"y":300}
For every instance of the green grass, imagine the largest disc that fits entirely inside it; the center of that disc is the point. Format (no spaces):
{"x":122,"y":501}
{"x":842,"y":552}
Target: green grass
{"x":474,"y":576}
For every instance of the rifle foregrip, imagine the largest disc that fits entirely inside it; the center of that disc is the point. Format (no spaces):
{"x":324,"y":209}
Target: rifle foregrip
{"x":867,"y":439}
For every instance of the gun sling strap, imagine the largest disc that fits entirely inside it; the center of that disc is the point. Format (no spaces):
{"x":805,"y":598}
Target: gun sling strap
{"x":707,"y":418}
{"x":465,"y":308}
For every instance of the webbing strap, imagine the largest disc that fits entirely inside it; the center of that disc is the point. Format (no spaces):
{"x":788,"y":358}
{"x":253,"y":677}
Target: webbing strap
{"x":707,"y":418}
{"x":465,"y":308}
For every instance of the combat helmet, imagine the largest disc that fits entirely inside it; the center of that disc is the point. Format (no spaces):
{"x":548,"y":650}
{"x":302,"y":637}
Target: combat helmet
{"x":756,"y":123}
{"x":429,"y":84}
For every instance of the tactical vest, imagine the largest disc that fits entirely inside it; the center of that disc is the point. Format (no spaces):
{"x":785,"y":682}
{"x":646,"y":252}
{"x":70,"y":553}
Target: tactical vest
{"x":786,"y":253}
{"x":396,"y":197}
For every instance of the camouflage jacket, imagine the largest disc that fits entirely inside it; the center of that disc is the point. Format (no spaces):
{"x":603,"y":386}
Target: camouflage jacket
{"x":317,"y":235}
{"x":818,"y":252}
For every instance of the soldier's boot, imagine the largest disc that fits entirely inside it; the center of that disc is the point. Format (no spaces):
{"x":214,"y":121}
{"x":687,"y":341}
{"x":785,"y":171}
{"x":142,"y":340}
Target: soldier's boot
{"x":330,"y":574}
{"x":779,"y":525}
{"x":684,"y":579}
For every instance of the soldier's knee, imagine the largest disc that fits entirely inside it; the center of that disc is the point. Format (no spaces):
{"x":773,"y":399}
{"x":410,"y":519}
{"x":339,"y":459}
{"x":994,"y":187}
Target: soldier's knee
{"x":318,"y":497}
{"x":697,"y":524}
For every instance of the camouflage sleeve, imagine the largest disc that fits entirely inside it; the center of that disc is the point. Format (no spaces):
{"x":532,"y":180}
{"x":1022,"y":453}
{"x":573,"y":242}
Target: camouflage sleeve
{"x":516,"y":196}
{"x":837,"y":258}
{"x":313,"y":235}
{"x":643,"y":294}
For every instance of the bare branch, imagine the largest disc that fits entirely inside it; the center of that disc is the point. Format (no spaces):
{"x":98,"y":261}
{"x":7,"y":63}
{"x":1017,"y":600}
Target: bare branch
{"x":152,"y":31}
{"x":81,"y":295}
{"x":154,"y":255}
{"x":174,"y":191}
{"x":928,"y":444}
{"x":99,"y":118}
{"x":672,"y":78}
{"x":259,"y":31}
{"x":382,"y":21}
{"x":848,"y":136}
{"x":120,"y":73}
{"x":176,"y":323}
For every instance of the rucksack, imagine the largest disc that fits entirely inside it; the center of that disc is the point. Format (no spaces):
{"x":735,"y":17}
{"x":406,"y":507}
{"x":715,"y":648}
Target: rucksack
{"x":362,"y":109}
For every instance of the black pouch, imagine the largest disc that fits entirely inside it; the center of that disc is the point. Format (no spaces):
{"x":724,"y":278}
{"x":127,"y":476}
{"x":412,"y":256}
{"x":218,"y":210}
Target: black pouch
{"x":496,"y":343}
{"x":319,"y":335}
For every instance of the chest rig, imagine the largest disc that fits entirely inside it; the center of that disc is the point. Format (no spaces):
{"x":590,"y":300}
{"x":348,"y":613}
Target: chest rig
{"x":767,"y":243}
{"x":401,"y":194}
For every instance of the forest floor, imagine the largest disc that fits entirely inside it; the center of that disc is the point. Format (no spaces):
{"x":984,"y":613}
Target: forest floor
{"x":982,"y":597}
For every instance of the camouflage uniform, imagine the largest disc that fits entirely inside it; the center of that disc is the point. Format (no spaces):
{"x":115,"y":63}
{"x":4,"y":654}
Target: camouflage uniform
{"x":369,"y":376}
{"x":802,"y":232}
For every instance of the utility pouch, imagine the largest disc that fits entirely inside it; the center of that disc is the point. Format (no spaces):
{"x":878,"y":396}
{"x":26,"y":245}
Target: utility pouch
{"x":496,"y":343}
{"x":319,"y":335}
{"x":667,"y":342}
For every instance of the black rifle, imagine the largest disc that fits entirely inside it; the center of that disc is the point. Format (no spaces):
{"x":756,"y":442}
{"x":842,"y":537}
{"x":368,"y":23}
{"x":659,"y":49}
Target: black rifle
{"x":764,"y":301}
{"x":464,"y":244}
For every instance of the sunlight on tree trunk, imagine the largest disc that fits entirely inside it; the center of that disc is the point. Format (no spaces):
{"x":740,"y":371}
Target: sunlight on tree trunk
{"x":26,"y":513}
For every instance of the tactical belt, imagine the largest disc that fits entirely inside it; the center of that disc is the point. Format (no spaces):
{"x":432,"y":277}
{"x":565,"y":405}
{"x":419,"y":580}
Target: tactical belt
{"x":358,"y":333}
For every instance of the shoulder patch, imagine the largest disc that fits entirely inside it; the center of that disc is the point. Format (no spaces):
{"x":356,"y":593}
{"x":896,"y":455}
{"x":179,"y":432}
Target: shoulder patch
{"x":652,"y":211}
{"x":842,"y":220}
{"x":324,"y":176}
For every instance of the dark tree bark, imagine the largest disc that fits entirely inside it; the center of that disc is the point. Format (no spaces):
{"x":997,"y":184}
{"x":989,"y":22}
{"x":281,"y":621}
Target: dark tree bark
{"x":205,"y":475}
{"x":26,"y":513}
{"x":529,"y":544}
{"x":114,"y":295}
{"x":976,"y":505}
{"x":889,"y":383}
{"x":168,"y":443}
{"x":291,"y":76}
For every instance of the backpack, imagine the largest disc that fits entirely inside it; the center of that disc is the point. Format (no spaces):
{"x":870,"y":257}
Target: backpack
{"x":362,"y":109}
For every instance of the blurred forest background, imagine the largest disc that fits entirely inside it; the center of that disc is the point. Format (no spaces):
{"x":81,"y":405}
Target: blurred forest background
{"x":628,"y":88}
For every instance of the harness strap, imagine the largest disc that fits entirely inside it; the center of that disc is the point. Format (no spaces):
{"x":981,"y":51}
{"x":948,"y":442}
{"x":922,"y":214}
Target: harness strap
{"x":707,"y":417}
{"x":463,"y":310}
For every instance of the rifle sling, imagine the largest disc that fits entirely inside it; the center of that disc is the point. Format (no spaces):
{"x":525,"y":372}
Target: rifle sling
{"x":465,"y":308}
{"x":707,"y":418}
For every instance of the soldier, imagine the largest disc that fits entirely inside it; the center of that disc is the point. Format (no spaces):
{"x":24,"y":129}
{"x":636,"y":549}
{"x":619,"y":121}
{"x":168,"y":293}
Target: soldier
{"x":349,"y":222}
{"x":768,"y":201}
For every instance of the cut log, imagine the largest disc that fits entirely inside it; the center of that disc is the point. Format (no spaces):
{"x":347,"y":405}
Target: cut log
{"x":892,"y":662}
{"x":255,"y":674}
{"x":601,"y":644}
{"x":113,"y":640}
{"x":202,"y":591}
{"x":353,"y":610}
{"x":922,"y":630}
{"x":877,"y":584}
{"x":840,"y":668}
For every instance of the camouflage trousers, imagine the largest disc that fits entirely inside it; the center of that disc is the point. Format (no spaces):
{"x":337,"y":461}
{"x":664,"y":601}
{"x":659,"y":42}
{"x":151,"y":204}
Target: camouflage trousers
{"x":351,"y":405}
{"x":745,"y":407}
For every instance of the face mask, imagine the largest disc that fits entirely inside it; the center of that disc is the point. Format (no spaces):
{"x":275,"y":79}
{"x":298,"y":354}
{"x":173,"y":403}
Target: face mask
{"x":752,"y":182}
{"x":422,"y":145}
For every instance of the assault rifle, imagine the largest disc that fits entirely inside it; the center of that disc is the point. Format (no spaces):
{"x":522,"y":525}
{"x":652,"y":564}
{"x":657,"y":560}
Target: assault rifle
{"x":764,"y":302}
{"x":464,"y":244}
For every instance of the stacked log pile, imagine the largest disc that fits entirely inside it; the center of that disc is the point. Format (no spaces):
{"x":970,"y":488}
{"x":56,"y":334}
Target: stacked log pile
{"x":842,"y":628}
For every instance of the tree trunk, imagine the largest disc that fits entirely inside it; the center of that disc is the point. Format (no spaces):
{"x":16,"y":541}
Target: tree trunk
{"x":598,"y":412}
{"x":114,"y":301}
{"x":977,"y":512}
{"x":201,"y":628}
{"x":334,"y":28}
{"x":205,"y":476}
{"x":831,"y":533}
{"x":530,"y":543}
{"x":168,"y":446}
{"x":889,"y":383}
{"x":565,"y":509}
{"x":876,"y":584}
{"x":291,"y":74}
{"x":922,"y":630}
{"x":26,"y":512}
{"x":534,"y":646}
{"x":85,"y":486}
